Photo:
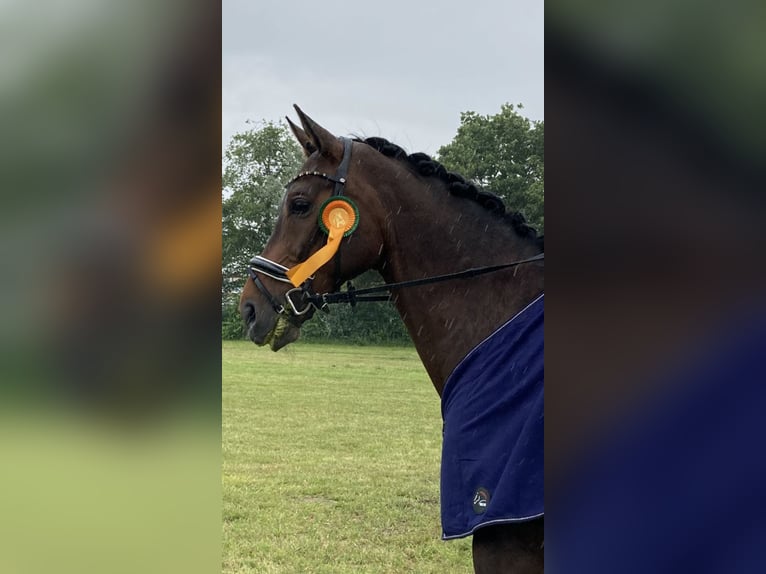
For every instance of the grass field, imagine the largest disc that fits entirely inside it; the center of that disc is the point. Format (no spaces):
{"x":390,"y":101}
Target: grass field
{"x":331,"y":462}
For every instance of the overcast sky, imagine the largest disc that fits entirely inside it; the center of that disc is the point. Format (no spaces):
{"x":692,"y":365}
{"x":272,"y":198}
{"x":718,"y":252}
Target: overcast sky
{"x":401,"y":69}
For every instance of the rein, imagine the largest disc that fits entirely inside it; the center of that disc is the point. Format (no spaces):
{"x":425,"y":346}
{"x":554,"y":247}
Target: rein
{"x":307,"y":298}
{"x":351,"y":295}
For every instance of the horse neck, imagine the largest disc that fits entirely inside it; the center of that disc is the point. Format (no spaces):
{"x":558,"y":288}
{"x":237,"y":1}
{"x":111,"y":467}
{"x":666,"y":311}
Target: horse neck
{"x":429,"y":233}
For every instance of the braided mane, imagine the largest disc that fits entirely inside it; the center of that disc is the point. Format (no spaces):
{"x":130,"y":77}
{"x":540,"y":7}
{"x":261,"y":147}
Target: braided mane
{"x":457,"y":185}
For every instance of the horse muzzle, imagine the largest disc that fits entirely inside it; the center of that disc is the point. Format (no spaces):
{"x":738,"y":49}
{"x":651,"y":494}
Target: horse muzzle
{"x":276,"y":331}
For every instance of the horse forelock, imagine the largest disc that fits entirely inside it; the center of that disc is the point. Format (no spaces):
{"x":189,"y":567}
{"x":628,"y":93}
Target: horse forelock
{"x":425,"y":166}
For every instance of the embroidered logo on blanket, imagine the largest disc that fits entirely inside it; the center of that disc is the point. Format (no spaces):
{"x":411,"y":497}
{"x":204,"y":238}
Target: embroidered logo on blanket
{"x":480,"y":500}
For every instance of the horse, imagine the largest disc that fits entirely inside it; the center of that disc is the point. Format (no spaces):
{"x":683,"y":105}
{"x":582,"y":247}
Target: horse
{"x":458,"y":267}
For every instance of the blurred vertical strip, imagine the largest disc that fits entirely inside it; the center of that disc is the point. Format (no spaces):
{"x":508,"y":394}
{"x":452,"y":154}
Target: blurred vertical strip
{"x":110,"y":292}
{"x":656,"y":173}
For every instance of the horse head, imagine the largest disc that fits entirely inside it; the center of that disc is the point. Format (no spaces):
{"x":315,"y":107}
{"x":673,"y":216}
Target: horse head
{"x":329,"y":229}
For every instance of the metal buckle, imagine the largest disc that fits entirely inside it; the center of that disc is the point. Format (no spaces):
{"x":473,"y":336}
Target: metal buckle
{"x":302,"y":291}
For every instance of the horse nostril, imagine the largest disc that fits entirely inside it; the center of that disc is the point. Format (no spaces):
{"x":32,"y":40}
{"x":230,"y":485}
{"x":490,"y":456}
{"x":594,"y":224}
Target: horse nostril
{"x":248,"y":313}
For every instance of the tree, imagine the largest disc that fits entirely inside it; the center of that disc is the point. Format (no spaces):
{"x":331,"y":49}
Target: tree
{"x":504,"y":154}
{"x":257,"y":164}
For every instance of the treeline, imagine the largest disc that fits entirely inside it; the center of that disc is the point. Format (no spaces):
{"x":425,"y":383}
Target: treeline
{"x":503,"y":153}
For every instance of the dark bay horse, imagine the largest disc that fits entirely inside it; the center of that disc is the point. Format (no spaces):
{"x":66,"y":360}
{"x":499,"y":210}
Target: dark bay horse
{"x":359,"y":205}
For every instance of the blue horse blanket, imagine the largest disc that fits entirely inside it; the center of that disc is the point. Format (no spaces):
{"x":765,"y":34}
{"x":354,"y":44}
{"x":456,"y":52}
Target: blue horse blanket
{"x":492,"y":406}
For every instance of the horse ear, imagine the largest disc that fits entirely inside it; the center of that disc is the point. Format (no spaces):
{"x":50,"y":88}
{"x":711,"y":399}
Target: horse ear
{"x":324,"y":141}
{"x":303,"y":139}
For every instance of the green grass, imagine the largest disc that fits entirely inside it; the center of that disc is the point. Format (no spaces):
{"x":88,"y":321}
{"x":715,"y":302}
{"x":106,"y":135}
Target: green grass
{"x":331,"y":462}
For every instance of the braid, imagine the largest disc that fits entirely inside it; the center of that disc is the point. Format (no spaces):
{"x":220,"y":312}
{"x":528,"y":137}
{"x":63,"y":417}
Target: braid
{"x":457,"y":185}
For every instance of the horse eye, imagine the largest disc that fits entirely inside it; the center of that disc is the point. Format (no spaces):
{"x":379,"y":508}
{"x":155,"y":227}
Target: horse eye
{"x":300,"y":207}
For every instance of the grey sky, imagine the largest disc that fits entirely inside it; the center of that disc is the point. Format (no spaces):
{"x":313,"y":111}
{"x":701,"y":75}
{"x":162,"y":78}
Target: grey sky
{"x":403,"y":70}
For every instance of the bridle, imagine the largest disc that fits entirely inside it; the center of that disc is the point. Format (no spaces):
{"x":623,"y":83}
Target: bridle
{"x":301,"y":299}
{"x":304,"y":292}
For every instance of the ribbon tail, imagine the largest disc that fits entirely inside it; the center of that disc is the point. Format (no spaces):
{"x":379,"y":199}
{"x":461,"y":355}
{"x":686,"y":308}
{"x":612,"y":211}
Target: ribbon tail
{"x":298,"y":274}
